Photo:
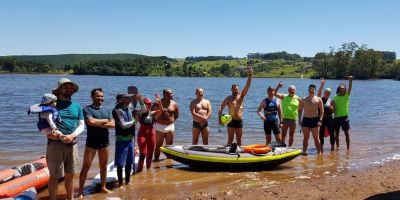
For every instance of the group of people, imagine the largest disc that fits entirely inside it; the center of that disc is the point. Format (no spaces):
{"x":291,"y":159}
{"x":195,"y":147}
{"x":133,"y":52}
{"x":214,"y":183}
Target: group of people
{"x":319,"y":115}
{"x":62,"y":120}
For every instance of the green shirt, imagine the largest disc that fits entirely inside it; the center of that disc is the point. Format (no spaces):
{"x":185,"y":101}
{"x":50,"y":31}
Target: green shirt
{"x":341,"y":105}
{"x":70,"y":114}
{"x":290,"y":107}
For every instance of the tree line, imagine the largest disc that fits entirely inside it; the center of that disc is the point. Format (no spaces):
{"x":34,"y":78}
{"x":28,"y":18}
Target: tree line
{"x":359,"y":61}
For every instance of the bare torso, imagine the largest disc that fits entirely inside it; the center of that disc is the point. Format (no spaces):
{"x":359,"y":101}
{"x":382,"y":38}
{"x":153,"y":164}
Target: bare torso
{"x":201,"y":107}
{"x":310,"y":106}
{"x":168,"y":116}
{"x":235,"y":105}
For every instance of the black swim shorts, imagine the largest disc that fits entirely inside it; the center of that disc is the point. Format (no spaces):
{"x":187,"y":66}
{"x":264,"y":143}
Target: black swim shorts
{"x":200,"y":127}
{"x":310,"y":122}
{"x":343,"y":122}
{"x":236,"y":123}
{"x":270,"y":126}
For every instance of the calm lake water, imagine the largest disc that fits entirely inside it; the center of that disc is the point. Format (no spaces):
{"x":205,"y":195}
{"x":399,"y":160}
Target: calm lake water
{"x":374,"y":118}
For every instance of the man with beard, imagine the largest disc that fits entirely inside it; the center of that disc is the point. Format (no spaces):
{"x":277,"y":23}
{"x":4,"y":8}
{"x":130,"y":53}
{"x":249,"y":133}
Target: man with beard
{"x":165,"y":121}
{"x":98,"y":120}
{"x":340,"y":106}
{"x":201,"y":112}
{"x":312,"y":119}
{"x":62,"y":151}
{"x":235,"y":105}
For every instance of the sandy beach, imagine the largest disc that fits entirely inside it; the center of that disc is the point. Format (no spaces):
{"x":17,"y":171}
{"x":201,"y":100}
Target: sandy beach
{"x":375,"y":183}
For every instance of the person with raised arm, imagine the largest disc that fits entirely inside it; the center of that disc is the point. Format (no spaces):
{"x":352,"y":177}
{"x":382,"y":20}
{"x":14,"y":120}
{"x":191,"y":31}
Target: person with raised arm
{"x":235,"y":106}
{"x":290,"y":107}
{"x":340,"y":106}
{"x":327,"y":120}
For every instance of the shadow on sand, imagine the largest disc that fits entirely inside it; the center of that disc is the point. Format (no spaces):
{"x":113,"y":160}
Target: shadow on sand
{"x":385,"y":196}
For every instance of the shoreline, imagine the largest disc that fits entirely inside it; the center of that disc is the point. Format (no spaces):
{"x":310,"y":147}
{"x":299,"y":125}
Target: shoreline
{"x":376,"y":182}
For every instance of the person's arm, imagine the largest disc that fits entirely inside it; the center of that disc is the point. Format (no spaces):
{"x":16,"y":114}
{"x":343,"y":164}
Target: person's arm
{"x":209,"y":110}
{"x":221,"y":108}
{"x":321,"y":109}
{"x":248,"y":82}
{"x":260,"y":107}
{"x":176,"y":112}
{"x":300,"y":110}
{"x":278,"y":95}
{"x":96,"y":122}
{"x":280,"y":113}
{"x":333,"y":106}
{"x":79,"y":129}
{"x":321,"y":87}
{"x":109,"y":124}
{"x":121,"y":121}
{"x":49,"y":119}
{"x":350,"y":84}
{"x":142,"y":109}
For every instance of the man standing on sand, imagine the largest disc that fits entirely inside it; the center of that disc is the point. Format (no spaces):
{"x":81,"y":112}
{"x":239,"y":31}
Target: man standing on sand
{"x":340,"y":106}
{"x":290,"y":106}
{"x":312,"y":119}
{"x":235,"y":105}
{"x":165,"y":121}
{"x":62,"y":151}
{"x":98,"y":120}
{"x":201,"y":112}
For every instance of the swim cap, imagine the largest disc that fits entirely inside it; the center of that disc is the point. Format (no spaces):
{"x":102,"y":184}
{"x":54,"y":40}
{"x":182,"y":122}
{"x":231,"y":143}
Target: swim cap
{"x":328,"y":90}
{"x":225,"y":119}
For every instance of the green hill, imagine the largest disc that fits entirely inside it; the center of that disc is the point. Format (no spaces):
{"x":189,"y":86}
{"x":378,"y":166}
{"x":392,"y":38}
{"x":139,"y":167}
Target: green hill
{"x":70,"y":59}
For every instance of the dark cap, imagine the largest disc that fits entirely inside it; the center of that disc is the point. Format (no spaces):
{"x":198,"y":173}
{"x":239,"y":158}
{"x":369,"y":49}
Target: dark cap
{"x":123,"y":95}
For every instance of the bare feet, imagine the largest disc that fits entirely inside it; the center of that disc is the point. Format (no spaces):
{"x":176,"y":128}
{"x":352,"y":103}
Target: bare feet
{"x":105,"y":190}
{"x":304,"y":154}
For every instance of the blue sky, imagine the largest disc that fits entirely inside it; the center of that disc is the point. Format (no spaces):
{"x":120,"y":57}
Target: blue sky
{"x":180,"y":28}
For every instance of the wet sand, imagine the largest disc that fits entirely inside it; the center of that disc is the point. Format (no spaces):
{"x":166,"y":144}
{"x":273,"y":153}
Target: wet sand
{"x":167,"y":181}
{"x":379,"y":182}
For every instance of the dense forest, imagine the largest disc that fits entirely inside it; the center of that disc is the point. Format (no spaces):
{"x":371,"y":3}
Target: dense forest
{"x":359,"y":61}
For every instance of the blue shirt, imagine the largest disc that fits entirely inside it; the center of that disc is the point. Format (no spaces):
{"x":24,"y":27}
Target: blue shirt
{"x":70,"y":114}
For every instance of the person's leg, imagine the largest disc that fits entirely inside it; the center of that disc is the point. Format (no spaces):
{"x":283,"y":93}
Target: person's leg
{"x":151,"y":143}
{"x":306,"y":136}
{"x":159,"y":142}
{"x":239,"y":133}
{"x":276,"y":130}
{"x":103,"y":160}
{"x":70,"y":169}
{"x":292,"y":129}
{"x":54,"y":161}
{"x":346,"y":128}
{"x":69,"y":185}
{"x":231,"y":135}
{"x":195,"y":134}
{"x":121,"y":153}
{"x":129,"y":161}
{"x":284,"y":132}
{"x":347,"y":134}
{"x":322,"y":135}
{"x":169,"y":138}
{"x":141,"y":141}
{"x":204,"y":135}
{"x":315,"y":134}
{"x":88,"y":157}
